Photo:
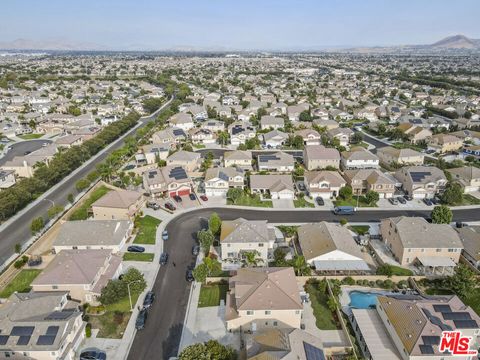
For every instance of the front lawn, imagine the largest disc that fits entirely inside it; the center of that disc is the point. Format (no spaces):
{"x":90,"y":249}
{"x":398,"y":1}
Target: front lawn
{"x":362,"y":202}
{"x":147,"y":230}
{"x":81,"y":213}
{"x":130,"y":256}
{"x":302,"y":203}
{"x":473,"y":300}
{"x":325,"y":319}
{"x":30,"y":136}
{"x":20,"y":283}
{"x":250,"y":200}
{"x":360,"y":229}
{"x":211,"y":294}
{"x":470,"y":200}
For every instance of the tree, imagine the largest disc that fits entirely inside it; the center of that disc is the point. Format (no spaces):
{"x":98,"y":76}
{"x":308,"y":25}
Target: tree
{"x":357,"y":137}
{"x":385,"y":269}
{"x":200,"y":273}
{"x":82,"y":184}
{"x":301,"y":266}
{"x":279,"y":257}
{"x":207,"y":162}
{"x":372,"y":197}
{"x":234,"y":194}
{"x":136,"y":280}
{"x":37,"y":225}
{"x":54,"y":211}
{"x":295,"y":142}
{"x":463,"y":281}
{"x":223,"y":137}
{"x":70,"y":198}
{"x":453,"y":194}
{"x":205,"y":238}
{"x":18,"y":248}
{"x":345,"y":192}
{"x":210,"y":350}
{"x":252,"y":258}
{"x":442,"y":215}
{"x":116,"y":290}
{"x":213,"y":265}
{"x":215,"y":223}
{"x":305,"y":116}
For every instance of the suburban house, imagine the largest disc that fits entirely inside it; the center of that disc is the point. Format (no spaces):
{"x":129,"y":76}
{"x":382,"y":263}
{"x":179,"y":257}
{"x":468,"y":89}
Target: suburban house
{"x":325,"y":184}
{"x":219,"y":179}
{"x":274,"y":139}
{"x":326,"y":123}
{"x":202,"y":136}
{"x":330,"y":247}
{"x":363,"y":180}
{"x":24,"y":166}
{"x":7,"y":178}
{"x":470,"y":236}
{"x":240,"y":158}
{"x":271,"y":122}
{"x":241,"y":236}
{"x":468,"y":177}
{"x":171,"y":135}
{"x":240,"y":133}
{"x":189,"y":160}
{"x":277,"y":186}
{"x":400,"y":328}
{"x":93,"y":234}
{"x":309,"y":136}
{"x":263,"y":298}
{"x":389,"y":155}
{"x":279,"y":162}
{"x":44,"y":326}
{"x":68,"y":141}
{"x":421,"y":181}
{"x":342,"y":134}
{"x":118,"y":204}
{"x":213,"y":125}
{"x":318,"y":157}
{"x":443,"y":143}
{"x":415,"y":133}
{"x":413,"y":240}
{"x":294,"y":111}
{"x":83,"y":273}
{"x":182,"y":121}
{"x":168,"y":180}
{"x":359,"y":158}
{"x":152,"y":153}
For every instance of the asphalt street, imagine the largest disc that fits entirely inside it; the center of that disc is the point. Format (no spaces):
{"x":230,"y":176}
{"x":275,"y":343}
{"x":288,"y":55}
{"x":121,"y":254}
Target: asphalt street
{"x":18,"y":231}
{"x":161,"y":337}
{"x":21,"y":148}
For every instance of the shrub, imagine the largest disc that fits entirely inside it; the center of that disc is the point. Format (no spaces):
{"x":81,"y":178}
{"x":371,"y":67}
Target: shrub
{"x":348,"y":281}
{"x":343,"y":221}
{"x":388,"y":284}
{"x":88,"y":330}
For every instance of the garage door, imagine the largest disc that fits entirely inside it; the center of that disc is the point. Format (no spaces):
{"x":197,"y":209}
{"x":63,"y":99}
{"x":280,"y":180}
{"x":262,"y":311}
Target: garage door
{"x":285,"y":195}
{"x":418,"y":195}
{"x":183,"y":192}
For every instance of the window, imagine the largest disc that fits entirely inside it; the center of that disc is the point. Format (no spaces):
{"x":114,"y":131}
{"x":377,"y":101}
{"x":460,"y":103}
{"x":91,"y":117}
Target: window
{"x":260,"y":244}
{"x":249,"y":312}
{"x":268,"y":312}
{"x":54,"y":287}
{"x":297,"y":312}
{"x":275,"y":323}
{"x":452,"y":250}
{"x":439,"y":250}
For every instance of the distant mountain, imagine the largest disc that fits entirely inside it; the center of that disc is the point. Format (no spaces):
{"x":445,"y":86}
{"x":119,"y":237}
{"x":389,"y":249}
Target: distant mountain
{"x":60,"y":44}
{"x":456,"y":42}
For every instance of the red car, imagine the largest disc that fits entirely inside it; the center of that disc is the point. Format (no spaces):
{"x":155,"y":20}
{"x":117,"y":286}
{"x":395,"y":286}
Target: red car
{"x":204,"y":197}
{"x":170,"y":206}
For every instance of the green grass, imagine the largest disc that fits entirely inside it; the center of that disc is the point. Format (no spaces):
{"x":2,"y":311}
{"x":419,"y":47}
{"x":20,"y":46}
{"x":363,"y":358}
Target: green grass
{"x":360,"y":229}
{"x":138,"y":257}
{"x":394,"y":270}
{"x":251,"y":200}
{"x":30,"y":136}
{"x":473,"y":300}
{"x":147,"y":230}
{"x":82,"y":212}
{"x":210,"y":295}
{"x":362,"y":202}
{"x":323,"y":315}
{"x":470,"y":200}
{"x":302,"y":203}
{"x":437,"y":291}
{"x":20,"y":283}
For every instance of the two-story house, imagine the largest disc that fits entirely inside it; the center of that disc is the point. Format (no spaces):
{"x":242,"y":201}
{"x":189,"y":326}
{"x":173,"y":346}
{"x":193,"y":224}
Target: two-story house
{"x":219,"y":179}
{"x":325,"y":184}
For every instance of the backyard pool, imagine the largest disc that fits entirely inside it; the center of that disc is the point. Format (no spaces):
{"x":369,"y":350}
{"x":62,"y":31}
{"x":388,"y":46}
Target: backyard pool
{"x":362,"y":300}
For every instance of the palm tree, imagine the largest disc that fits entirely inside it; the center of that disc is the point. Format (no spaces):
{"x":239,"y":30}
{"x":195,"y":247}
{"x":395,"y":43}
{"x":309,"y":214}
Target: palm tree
{"x":251,"y":258}
{"x":300,"y":266}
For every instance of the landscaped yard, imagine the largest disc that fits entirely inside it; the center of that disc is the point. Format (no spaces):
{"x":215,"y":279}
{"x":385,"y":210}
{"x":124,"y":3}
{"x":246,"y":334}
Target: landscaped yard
{"x":470,"y":200}
{"x":473,"y":300}
{"x":211,"y":294}
{"x":20,"y":283}
{"x":81,"y":213}
{"x":30,"y":136}
{"x":302,"y":203}
{"x":138,"y":256}
{"x":360,"y":229}
{"x":250,"y":200}
{"x":147,"y":230}
{"x":325,"y":319}
{"x":362,"y":202}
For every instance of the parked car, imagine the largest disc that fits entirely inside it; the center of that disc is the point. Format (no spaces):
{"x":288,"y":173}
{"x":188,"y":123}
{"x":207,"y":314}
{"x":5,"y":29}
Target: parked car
{"x":195,"y":250}
{"x":136,"y":249}
{"x":141,"y":319}
{"x":149,"y":299}
{"x":26,"y":152}
{"x":189,"y":275}
{"x":343,"y":210}
{"x":401,"y":200}
{"x":165,"y":235}
{"x":301,"y":187}
{"x":204,"y":197}
{"x":192,"y":196}
{"x":393,"y":201}
{"x":408,"y":197}
{"x":320,"y":201}
{"x":164,"y":258}
{"x":459,"y":224}
{"x":177,"y":198}
{"x":93,"y":354}
{"x":428,"y":202}
{"x":435,"y":200}
{"x":153,"y":205}
{"x":44,"y":144}
{"x":35,"y":260}
{"x":170,"y":206}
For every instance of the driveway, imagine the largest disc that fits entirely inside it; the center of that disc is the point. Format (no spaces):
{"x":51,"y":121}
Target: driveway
{"x":283,"y":204}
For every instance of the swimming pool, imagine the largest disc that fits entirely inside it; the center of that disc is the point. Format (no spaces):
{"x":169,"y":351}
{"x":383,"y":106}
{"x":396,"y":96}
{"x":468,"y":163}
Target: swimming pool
{"x":362,"y":300}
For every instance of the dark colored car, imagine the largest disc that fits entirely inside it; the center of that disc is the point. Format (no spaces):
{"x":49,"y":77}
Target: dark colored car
{"x":35,"y":261}
{"x":301,"y":187}
{"x":136,"y":249}
{"x":401,"y":200}
{"x":189,"y":275}
{"x":153,"y":205}
{"x":149,"y":299}
{"x":428,"y":202}
{"x":435,"y":201}
{"x":170,"y":206}
{"x":408,"y":197}
{"x":141,"y":319}
{"x":204,"y":197}
{"x":93,"y":354}
{"x":320,"y":201}
{"x":195,"y":250}
{"x":164,"y":258}
{"x":26,"y":152}
{"x":393,"y":201}
{"x":192,"y":196}
{"x":459,"y":224}
{"x":177,"y":198}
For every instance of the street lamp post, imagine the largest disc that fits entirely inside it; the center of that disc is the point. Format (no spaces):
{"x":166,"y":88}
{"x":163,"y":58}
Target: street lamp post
{"x":129,"y":294}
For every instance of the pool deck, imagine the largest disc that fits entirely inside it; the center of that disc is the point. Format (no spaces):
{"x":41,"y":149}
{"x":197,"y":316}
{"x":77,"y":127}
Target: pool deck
{"x":344,"y":297}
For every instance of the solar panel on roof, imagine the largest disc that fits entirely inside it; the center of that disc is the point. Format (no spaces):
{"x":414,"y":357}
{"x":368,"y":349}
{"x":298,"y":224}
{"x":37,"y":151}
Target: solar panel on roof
{"x":178,"y":173}
{"x":52,"y":330}
{"x":431,"y":340}
{"x":456,"y":316}
{"x":45,"y":340}
{"x":22,"y":330}
{"x":426,"y":349}
{"x":465,"y":324}
{"x":178,"y":132}
{"x":3,"y":339}
{"x":436,"y":321}
{"x":264,"y":158}
{"x":23,"y":340}
{"x":312,"y":352}
{"x":419,"y":175}
{"x":442,"y":308}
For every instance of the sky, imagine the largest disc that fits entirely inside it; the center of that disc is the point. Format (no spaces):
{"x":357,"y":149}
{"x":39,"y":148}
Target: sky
{"x":240,"y":24}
